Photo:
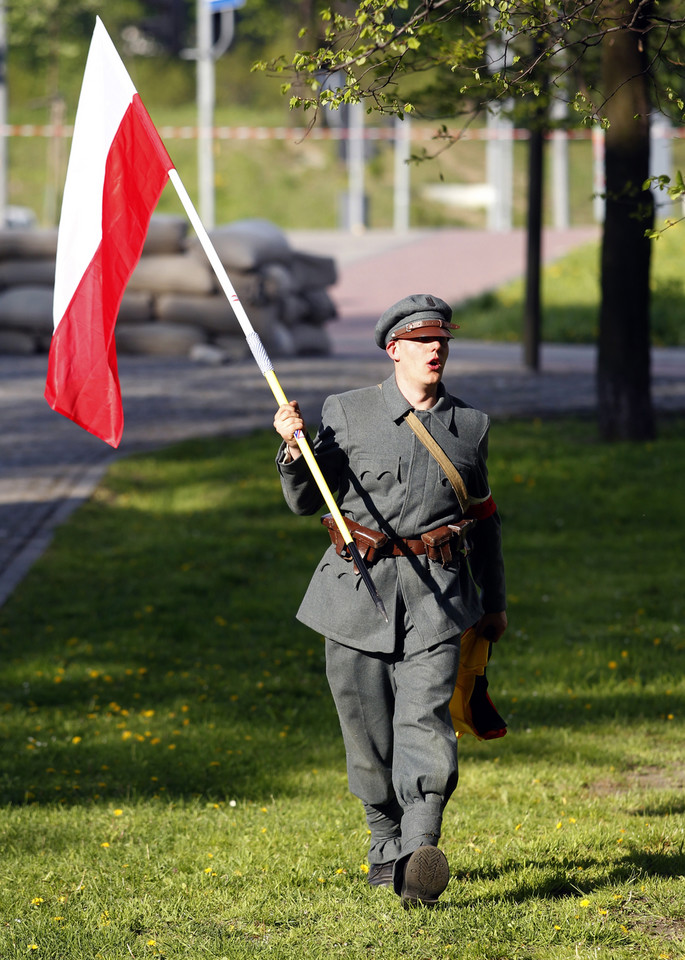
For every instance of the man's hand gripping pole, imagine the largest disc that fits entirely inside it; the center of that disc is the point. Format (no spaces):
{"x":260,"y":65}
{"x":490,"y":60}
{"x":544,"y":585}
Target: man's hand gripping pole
{"x":264,"y":363}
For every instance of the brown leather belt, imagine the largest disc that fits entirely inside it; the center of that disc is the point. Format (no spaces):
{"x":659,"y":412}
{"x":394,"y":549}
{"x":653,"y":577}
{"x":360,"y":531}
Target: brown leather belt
{"x":445,"y":544}
{"x":400,"y":547}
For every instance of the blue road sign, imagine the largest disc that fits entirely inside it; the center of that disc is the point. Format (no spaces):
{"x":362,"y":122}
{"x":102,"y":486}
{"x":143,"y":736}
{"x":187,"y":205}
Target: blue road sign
{"x":216,"y":6}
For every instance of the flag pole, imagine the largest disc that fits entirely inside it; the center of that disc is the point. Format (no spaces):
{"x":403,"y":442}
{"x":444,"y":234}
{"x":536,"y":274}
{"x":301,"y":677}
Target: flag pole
{"x":265,"y":365}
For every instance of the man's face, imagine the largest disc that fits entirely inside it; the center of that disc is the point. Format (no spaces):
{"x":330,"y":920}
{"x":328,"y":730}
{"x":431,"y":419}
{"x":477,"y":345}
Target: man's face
{"x":421,"y":360}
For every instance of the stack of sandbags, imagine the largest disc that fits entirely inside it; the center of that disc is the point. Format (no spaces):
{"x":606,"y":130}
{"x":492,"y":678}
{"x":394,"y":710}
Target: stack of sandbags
{"x":283,"y":291}
{"x":173,"y":305}
{"x":27,"y":276}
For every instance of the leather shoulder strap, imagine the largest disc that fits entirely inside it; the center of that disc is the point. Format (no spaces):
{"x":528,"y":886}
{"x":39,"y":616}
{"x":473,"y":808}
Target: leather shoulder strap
{"x":434,"y":448}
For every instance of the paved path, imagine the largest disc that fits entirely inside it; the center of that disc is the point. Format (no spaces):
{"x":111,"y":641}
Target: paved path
{"x":48,"y":465}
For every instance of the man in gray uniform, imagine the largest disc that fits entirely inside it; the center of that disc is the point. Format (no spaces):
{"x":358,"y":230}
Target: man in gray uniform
{"x":392,"y":682}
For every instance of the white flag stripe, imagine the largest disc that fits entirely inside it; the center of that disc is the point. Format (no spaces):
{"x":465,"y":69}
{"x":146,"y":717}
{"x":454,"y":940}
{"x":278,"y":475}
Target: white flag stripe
{"x":106,"y":82}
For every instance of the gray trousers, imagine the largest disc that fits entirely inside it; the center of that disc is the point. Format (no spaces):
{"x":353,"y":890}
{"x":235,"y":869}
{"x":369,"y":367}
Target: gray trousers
{"x":399,"y":739}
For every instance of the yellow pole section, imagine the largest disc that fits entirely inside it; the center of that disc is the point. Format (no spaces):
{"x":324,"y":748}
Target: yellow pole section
{"x":281,"y":398}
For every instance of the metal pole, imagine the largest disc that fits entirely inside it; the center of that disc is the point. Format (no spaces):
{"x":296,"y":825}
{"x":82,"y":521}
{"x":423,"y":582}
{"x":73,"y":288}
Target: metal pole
{"x":355,"y":169}
{"x":599,"y":183}
{"x":205,"y":113}
{"x":402,"y":179}
{"x":499,"y":157}
{"x":560,"y":174}
{"x":3,"y":116}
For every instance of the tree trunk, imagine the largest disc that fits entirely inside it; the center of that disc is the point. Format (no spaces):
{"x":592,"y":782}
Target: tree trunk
{"x":623,"y":371}
{"x":532,"y":322}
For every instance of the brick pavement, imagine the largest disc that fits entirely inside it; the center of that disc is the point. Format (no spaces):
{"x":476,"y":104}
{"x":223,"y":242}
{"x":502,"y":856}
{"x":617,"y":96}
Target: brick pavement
{"x":48,"y":465}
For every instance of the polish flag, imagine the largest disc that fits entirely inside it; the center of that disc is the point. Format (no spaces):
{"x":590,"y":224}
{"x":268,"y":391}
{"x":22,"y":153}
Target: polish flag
{"x":118,"y":167}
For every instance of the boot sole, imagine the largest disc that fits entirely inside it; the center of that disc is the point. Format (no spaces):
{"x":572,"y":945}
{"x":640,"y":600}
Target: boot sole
{"x":425,"y":877}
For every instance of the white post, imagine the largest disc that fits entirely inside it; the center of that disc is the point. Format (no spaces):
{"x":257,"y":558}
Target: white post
{"x":205,"y":113}
{"x":499,"y":158}
{"x":3,"y":116}
{"x":660,"y":160}
{"x":355,"y":169}
{"x":402,"y":175}
{"x":599,"y":182}
{"x":560,"y":175}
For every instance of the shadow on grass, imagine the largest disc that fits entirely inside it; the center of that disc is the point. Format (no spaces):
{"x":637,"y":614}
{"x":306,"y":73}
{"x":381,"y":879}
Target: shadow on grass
{"x":541,"y":881}
{"x":154,"y":651}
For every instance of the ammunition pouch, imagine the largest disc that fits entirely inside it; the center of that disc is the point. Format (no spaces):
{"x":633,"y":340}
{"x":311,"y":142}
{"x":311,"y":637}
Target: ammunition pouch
{"x":442,"y":545}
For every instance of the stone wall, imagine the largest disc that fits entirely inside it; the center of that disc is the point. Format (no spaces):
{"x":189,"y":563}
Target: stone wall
{"x":173,"y":305}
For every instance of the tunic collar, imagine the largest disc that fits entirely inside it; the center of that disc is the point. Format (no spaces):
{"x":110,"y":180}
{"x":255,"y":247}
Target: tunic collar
{"x":398,"y":405}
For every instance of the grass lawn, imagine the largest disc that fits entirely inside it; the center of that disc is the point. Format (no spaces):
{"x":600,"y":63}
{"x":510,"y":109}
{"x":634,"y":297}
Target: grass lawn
{"x":171,"y":771}
{"x":570,"y":293}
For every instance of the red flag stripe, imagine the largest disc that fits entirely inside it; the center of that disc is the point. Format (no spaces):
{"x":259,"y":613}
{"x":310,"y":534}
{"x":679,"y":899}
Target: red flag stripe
{"x":82,"y":381}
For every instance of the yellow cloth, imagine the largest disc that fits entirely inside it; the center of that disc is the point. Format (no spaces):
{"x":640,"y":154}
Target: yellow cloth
{"x":472,"y":663}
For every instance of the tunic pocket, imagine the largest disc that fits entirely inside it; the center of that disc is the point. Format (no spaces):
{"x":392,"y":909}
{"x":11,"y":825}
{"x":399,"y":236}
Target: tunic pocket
{"x":378,"y":479}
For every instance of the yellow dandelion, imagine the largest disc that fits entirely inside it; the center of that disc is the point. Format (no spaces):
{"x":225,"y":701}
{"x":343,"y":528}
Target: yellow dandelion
{"x":152,"y":943}
{"x":36,"y":900}
{"x":585,"y":903}
{"x":364,"y":867}
{"x":118,"y":813}
{"x":32,"y":946}
{"x":105,"y":844}
{"x":76,"y":739}
{"x":612,"y":664}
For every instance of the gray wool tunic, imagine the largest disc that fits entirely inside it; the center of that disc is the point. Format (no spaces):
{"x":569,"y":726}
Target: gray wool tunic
{"x":386,"y":479}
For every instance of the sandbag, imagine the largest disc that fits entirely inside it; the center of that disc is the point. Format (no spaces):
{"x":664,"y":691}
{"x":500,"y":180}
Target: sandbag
{"x":17,"y":272}
{"x":166,"y":234}
{"x":172,"y":273}
{"x":16,"y":343}
{"x":310,"y":270}
{"x":277,"y":280}
{"x":135,"y":307}
{"x":320,"y":306}
{"x":29,"y":243}
{"x":158,"y":339}
{"x":26,"y":308}
{"x":294,"y":309}
{"x":247,"y":244}
{"x":213,"y":314}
